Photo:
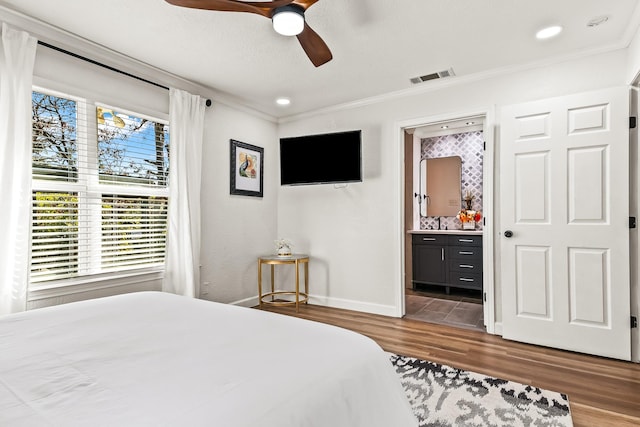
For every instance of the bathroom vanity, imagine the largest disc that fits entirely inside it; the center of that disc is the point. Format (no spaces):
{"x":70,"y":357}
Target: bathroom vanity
{"x":449,"y":258}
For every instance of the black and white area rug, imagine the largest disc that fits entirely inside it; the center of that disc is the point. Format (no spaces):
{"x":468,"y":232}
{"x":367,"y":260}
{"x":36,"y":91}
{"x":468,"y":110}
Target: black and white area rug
{"x":442,"y":396}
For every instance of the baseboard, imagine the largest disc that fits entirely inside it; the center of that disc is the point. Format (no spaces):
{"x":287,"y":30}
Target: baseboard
{"x":247,"y":302}
{"x":345,"y":304}
{"x":383,"y":310}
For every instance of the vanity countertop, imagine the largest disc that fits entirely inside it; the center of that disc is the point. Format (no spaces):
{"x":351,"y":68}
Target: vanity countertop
{"x":475,"y":232}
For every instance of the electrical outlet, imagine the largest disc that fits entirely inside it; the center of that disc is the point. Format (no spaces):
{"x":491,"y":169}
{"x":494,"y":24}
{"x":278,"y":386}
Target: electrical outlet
{"x":204,"y":288}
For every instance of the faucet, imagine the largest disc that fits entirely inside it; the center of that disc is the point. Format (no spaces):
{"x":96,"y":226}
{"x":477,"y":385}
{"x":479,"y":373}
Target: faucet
{"x":438,"y":223}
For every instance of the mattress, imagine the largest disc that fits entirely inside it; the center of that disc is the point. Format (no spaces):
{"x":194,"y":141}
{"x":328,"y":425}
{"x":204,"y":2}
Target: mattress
{"x":158,"y":359}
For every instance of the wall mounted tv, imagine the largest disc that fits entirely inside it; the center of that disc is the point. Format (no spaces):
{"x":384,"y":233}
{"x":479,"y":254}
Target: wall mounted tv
{"x":329,"y":158}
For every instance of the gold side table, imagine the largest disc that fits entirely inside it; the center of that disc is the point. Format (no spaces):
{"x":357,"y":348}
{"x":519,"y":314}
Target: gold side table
{"x":273,"y":260}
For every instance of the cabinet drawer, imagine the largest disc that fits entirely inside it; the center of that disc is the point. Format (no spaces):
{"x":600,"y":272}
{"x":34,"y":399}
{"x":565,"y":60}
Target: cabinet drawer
{"x":463,"y":280}
{"x":469,"y":266}
{"x":430,"y":239}
{"x":470,"y":253}
{"x":459,"y":240}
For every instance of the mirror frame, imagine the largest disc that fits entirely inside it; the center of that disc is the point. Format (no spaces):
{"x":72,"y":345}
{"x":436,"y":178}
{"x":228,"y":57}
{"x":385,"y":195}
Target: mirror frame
{"x":440,"y":186}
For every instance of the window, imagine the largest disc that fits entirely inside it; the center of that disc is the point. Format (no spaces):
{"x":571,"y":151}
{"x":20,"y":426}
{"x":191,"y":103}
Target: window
{"x":100,"y":189}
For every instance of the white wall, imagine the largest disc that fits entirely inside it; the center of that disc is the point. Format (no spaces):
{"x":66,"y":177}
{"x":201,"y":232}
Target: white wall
{"x":235,"y":229}
{"x":60,"y":72}
{"x":353,"y":234}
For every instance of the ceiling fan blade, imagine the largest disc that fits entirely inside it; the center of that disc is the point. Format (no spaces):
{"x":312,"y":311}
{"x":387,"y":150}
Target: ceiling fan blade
{"x":313,"y":45}
{"x":261,"y":8}
{"x":315,"y":48}
{"x":274,"y":4}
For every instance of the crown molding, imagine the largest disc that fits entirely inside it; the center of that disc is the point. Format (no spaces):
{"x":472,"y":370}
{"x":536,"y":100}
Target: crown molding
{"x":435,"y":85}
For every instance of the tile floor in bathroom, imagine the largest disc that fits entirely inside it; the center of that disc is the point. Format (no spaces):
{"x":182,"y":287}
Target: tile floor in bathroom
{"x":461,"y":307}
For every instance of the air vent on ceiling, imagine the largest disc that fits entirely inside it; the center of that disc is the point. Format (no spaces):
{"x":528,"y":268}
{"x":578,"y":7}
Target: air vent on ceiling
{"x":433,"y":76}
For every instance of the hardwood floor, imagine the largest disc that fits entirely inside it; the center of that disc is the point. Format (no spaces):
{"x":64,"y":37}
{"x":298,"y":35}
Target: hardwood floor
{"x":602,"y":392}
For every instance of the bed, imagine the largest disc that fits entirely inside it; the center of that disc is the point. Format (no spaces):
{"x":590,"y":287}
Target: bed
{"x":158,"y":359}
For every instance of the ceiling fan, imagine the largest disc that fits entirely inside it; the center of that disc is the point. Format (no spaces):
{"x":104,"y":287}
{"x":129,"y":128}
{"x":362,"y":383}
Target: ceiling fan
{"x":287,"y":16}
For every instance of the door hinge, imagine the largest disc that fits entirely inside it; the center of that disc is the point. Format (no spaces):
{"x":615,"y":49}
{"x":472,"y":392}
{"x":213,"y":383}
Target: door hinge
{"x":484,"y":296}
{"x":632,"y":222}
{"x":634,"y":322}
{"x":633,"y":122}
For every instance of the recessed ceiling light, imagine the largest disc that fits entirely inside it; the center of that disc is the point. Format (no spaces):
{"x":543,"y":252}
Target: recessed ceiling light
{"x":548,"y":32}
{"x":283,"y":101}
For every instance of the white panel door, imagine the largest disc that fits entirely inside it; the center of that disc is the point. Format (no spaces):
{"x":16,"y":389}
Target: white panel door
{"x":564,"y":179}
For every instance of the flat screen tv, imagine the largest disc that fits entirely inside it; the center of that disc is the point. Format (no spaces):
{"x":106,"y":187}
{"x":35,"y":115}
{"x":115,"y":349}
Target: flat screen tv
{"x":329,"y":158}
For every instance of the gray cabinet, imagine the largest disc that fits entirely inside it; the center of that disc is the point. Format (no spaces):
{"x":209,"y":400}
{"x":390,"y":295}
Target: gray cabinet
{"x":430,"y":259}
{"x":448,"y":260}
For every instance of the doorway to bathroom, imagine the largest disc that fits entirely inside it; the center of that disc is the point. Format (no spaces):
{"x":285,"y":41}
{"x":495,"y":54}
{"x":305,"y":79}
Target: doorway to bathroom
{"x":446,"y":200}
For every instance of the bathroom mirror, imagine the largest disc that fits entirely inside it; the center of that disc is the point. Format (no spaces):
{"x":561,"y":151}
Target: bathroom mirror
{"x":441,"y":177}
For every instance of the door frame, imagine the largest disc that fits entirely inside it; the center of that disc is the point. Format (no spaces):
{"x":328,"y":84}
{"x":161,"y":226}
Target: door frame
{"x":634,"y":210}
{"x":489,"y":211}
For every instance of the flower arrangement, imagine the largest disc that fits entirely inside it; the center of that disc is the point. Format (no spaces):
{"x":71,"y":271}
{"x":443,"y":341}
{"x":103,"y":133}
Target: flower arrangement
{"x":469,"y":216}
{"x":283,"y":247}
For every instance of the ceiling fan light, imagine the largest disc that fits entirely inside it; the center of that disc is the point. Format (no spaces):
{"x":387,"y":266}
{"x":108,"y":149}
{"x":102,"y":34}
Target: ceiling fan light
{"x":288,"y":20}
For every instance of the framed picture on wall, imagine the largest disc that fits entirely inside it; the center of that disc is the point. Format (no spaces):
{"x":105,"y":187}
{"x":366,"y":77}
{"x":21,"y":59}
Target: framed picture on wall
{"x":247,"y":162}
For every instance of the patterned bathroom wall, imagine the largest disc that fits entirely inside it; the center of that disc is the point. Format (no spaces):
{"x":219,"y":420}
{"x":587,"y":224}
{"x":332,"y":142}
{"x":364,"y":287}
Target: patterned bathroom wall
{"x":469,"y":146}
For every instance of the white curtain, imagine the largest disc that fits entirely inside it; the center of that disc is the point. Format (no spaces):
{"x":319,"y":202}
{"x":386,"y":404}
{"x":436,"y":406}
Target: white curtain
{"x":182,"y":259}
{"x":17,"y":56}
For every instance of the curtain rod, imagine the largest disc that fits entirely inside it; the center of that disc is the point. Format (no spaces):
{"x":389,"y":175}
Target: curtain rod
{"x":108,"y":67}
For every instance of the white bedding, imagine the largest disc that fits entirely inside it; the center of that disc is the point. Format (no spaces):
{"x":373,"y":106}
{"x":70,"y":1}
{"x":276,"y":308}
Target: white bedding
{"x":157,"y":359}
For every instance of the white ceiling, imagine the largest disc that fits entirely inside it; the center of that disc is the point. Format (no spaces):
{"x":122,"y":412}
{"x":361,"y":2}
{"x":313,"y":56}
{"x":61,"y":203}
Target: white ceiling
{"x":377,"y":45}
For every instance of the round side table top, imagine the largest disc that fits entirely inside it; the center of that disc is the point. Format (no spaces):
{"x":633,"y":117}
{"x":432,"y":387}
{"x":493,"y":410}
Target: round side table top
{"x":292,"y":257}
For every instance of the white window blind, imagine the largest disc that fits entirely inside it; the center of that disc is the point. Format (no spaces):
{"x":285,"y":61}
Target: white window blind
{"x":100,"y":192}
